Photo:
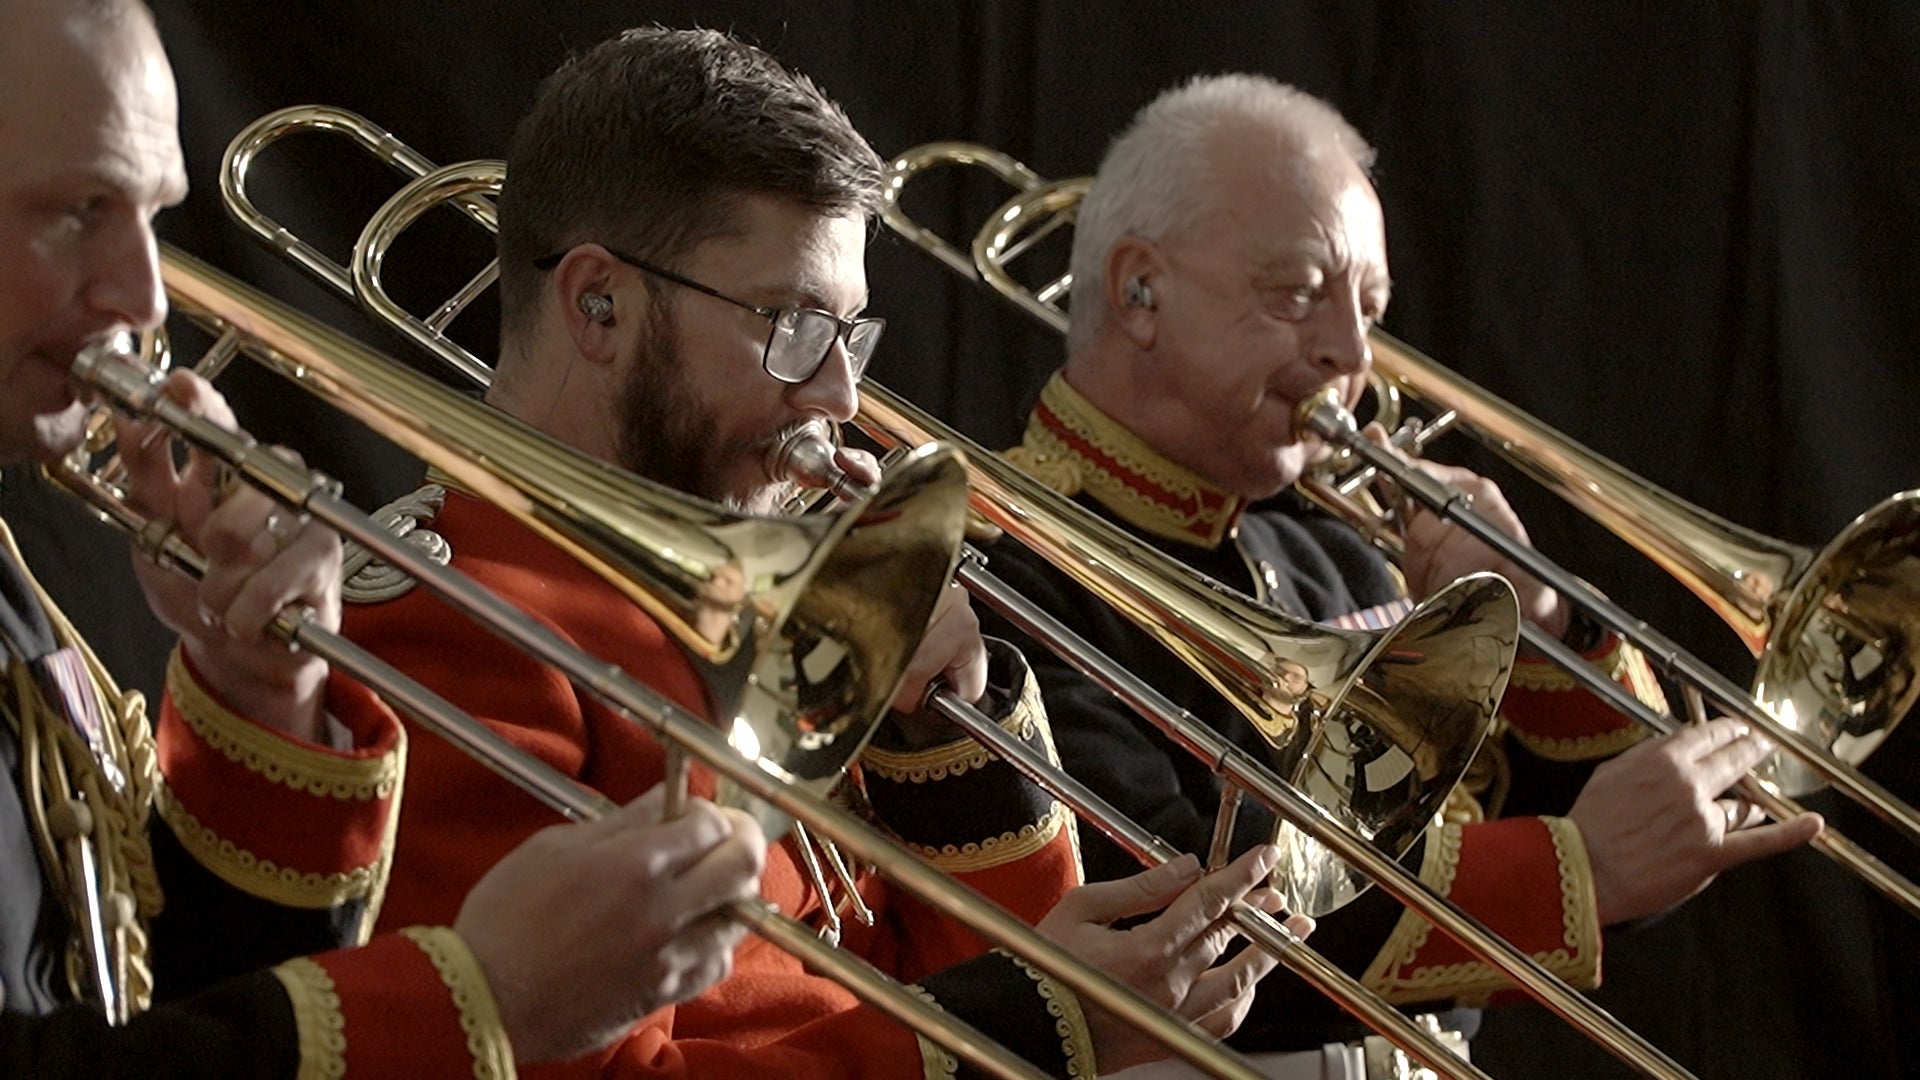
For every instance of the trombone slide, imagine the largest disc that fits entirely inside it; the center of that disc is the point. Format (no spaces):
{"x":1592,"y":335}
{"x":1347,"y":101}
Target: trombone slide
{"x":298,"y":343}
{"x":1325,"y":415}
{"x":896,"y":422}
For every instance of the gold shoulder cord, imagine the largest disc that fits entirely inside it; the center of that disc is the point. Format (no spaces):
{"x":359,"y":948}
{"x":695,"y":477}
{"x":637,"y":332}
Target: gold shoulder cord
{"x":59,"y":771}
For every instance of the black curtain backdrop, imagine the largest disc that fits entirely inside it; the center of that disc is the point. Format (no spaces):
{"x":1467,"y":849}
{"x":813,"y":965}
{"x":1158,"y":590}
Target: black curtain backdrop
{"x":1678,"y":232}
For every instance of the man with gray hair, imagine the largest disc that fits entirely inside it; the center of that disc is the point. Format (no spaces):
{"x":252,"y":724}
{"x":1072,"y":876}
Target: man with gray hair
{"x":1229,"y":262}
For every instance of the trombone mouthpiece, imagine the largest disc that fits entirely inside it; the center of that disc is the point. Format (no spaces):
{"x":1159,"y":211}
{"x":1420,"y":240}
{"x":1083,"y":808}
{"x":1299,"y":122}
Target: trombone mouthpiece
{"x":112,"y":368}
{"x":1326,"y":415}
{"x":806,"y":457}
{"x":91,"y":356}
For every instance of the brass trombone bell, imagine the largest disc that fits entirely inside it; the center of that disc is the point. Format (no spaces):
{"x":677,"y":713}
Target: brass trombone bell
{"x":1738,"y":571}
{"x":1376,"y":727}
{"x":1452,"y":642}
{"x":131,"y":384}
{"x":1434,"y":724}
{"x":808,"y":458}
{"x":808,"y":637}
{"x":1836,"y":633}
{"x":394,"y":217}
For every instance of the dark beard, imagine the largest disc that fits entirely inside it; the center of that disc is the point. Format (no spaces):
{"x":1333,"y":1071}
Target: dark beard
{"x":661,"y":430}
{"x":666,"y":437}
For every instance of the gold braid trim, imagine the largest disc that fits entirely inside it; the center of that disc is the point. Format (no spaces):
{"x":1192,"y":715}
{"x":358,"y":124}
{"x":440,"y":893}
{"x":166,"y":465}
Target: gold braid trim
{"x":1462,"y":808}
{"x":265,"y":878}
{"x":1050,"y":466}
{"x":1642,"y":681}
{"x":1620,"y":659}
{"x":1579,"y":908}
{"x":1211,"y":512}
{"x":1577,"y":963}
{"x":936,"y":1061}
{"x":317,"y":1017}
{"x":371,"y":580}
{"x":479,"y":1014}
{"x":278,"y":758}
{"x":58,"y":765}
{"x":941,"y":762}
{"x":1532,"y":672}
{"x":1582,"y":748}
{"x":130,"y":737}
{"x":1076,"y":1039}
{"x":1027,"y":718}
{"x":996,"y":850}
{"x":1437,"y":868}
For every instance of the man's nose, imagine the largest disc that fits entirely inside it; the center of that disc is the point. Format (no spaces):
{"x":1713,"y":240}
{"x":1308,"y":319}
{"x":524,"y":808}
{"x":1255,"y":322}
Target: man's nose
{"x":833,"y":391}
{"x":125,"y":290}
{"x":1341,"y":345}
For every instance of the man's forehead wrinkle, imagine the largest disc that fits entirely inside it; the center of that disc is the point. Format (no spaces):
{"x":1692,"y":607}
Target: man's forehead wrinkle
{"x":84,"y":103}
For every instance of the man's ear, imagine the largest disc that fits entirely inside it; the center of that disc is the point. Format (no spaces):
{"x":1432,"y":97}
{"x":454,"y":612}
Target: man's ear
{"x":1134,"y":269}
{"x":580,"y":287}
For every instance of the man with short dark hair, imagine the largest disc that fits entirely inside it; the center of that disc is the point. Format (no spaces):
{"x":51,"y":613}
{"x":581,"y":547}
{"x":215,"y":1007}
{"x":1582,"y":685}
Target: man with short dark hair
{"x":1229,"y":262}
{"x":682,"y":239}
{"x":277,"y":780}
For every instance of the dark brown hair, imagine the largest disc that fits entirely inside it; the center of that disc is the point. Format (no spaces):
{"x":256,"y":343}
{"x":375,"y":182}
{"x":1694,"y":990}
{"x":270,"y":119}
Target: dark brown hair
{"x":644,"y":141}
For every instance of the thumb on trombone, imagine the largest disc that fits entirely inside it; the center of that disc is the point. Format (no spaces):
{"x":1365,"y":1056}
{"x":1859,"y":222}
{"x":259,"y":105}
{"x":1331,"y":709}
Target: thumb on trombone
{"x":632,"y":915}
{"x":1170,"y":958}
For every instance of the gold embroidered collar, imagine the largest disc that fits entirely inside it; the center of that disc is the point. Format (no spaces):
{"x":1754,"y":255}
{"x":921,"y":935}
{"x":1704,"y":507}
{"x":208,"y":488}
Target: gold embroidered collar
{"x":1071,"y":446}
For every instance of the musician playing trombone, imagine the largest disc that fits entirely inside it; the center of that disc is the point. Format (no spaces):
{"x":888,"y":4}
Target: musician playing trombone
{"x":682,"y":238}
{"x":252,"y":737}
{"x":1227,"y":263}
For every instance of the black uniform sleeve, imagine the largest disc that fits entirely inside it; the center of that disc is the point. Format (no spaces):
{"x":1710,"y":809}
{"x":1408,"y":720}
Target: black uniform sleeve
{"x":1174,"y":794}
{"x":243,"y":1028}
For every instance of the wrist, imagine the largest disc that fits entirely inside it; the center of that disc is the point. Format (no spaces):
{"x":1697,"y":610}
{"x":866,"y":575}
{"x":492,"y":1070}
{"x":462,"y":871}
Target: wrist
{"x":290,"y":701}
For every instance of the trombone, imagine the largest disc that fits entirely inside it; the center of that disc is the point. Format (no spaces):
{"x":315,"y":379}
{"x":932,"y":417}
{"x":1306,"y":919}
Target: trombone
{"x":465,"y":180}
{"x":129,"y":382}
{"x":1446,"y":642}
{"x":487,"y":454}
{"x":1838,"y":634}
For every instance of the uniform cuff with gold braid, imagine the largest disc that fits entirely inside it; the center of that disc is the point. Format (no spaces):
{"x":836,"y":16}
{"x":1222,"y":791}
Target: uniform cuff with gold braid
{"x":959,"y":806}
{"x":1555,"y":718}
{"x":415,"y":1002}
{"x":1020,"y":1006}
{"x":1527,"y":879}
{"x":232,"y":786}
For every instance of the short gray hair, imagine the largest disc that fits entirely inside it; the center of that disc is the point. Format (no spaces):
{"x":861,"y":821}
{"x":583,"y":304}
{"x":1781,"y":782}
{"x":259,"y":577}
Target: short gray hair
{"x":1155,"y":175}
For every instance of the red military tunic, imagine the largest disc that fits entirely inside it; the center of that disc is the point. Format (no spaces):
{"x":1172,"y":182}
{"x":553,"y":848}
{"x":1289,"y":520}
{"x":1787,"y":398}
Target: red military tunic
{"x":953,"y":805}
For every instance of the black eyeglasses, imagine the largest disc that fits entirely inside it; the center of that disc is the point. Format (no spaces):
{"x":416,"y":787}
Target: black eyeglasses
{"x":799,"y":339}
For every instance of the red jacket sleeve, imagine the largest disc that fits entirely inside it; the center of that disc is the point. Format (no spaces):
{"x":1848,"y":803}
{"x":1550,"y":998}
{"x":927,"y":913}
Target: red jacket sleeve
{"x":771,"y":1016}
{"x":1555,"y":718}
{"x":1527,"y":879}
{"x":308,"y":826}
